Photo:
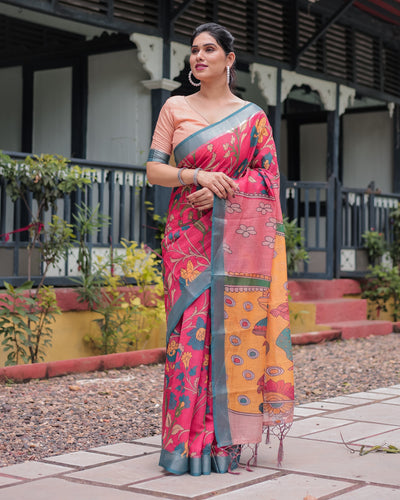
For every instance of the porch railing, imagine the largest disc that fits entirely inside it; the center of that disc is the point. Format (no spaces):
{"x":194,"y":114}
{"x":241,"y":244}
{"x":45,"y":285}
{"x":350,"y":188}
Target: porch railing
{"x":310,"y":204}
{"x":333,"y":219}
{"x":361,"y":210}
{"x":120,"y":191}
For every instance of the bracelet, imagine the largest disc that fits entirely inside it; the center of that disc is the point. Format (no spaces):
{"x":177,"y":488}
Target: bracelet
{"x":196,"y":173}
{"x":182,"y":182}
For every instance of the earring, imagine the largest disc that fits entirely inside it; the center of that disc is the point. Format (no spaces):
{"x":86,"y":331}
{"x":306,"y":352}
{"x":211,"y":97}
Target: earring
{"x":191,"y":80}
{"x":228,"y":75}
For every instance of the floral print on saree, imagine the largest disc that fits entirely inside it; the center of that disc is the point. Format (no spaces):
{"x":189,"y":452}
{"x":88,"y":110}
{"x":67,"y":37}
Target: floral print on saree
{"x":229,"y":367}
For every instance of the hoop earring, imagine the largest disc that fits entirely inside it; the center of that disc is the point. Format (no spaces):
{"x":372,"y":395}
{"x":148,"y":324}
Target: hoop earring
{"x":191,"y":80}
{"x":228,"y":75}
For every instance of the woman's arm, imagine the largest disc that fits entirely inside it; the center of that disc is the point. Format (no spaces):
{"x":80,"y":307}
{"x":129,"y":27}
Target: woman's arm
{"x":166,"y":175}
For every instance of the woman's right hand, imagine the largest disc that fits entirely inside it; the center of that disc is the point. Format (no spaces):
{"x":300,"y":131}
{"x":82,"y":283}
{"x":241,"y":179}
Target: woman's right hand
{"x":217,"y":182}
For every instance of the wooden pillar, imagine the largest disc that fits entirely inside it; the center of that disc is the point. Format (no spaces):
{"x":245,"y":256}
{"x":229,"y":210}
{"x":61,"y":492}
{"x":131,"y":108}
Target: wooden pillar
{"x":27,"y":109}
{"x":396,"y":149}
{"x":334,"y":200}
{"x":275,"y":115}
{"x":333,"y":140}
{"x":79,"y":108}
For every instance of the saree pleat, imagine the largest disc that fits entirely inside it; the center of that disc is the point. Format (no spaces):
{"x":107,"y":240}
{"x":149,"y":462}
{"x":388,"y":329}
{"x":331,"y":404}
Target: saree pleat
{"x":229,"y":367}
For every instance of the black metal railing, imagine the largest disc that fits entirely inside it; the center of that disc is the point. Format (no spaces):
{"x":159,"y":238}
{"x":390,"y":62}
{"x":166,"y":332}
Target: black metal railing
{"x":361,"y":210}
{"x":310,"y":204}
{"x":365,"y":210}
{"x":333,"y":220}
{"x":119,"y":190}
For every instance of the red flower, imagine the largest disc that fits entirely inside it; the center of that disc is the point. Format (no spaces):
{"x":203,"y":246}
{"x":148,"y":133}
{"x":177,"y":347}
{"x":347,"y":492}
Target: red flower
{"x":278,"y":396}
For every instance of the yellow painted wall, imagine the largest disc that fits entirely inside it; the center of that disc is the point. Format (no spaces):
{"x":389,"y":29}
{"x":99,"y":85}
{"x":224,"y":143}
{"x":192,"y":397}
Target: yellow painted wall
{"x":302,"y":318}
{"x":72,"y":326}
{"x":382,"y":315}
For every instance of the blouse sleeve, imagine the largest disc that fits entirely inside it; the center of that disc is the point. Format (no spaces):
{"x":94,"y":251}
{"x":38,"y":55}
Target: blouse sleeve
{"x":161,"y":146}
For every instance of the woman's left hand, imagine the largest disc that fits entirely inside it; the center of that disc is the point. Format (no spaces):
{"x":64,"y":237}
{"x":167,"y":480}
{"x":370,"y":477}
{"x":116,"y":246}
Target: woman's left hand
{"x":203,"y":199}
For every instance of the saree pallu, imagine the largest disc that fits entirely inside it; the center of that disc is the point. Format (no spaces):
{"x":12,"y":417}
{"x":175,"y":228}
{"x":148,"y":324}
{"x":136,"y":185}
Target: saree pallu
{"x":229,"y":368}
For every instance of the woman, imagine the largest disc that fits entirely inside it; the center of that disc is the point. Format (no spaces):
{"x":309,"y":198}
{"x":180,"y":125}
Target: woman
{"x":229,"y":371}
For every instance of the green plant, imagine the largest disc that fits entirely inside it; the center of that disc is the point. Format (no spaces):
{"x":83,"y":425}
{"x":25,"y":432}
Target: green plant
{"x":395,"y":245}
{"x":381,"y":286}
{"x":159,"y":221}
{"x":25,"y":322}
{"x":114,"y":317}
{"x":87,"y":222}
{"x":125,"y":318}
{"x":375,"y":245}
{"x":295,"y":250}
{"x":27,"y":313}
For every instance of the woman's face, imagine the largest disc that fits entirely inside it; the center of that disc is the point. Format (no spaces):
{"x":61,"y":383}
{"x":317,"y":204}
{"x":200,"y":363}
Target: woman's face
{"x":208,"y":60}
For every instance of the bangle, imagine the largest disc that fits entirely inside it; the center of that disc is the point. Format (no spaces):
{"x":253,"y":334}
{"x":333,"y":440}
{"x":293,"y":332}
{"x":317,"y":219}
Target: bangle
{"x":180,"y":170}
{"x":196,"y":173}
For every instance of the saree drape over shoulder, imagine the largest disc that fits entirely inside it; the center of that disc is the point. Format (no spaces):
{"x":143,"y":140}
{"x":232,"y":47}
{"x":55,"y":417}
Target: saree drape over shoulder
{"x":229,"y":368}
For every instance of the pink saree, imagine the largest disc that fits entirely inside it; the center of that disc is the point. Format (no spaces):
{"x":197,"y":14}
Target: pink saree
{"x":229,"y":368}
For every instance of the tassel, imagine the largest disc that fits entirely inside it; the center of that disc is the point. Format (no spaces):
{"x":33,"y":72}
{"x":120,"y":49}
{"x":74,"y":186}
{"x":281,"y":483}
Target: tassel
{"x":280,"y":452}
{"x":267,"y":436}
{"x":231,"y":471}
{"x":234,"y":453}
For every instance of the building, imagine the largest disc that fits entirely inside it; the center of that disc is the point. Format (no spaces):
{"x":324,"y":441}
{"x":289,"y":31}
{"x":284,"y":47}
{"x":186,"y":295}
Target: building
{"x":86,"y":79}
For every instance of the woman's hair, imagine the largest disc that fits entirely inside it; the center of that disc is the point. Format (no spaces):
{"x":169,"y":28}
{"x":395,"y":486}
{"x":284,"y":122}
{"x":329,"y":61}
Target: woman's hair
{"x":224,"y":39}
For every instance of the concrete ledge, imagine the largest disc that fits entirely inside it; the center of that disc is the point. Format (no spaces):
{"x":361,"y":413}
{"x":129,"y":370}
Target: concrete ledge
{"x":82,"y":365}
{"x":315,"y":337}
{"x":67,"y":298}
{"x":396,"y":327}
{"x":310,"y":289}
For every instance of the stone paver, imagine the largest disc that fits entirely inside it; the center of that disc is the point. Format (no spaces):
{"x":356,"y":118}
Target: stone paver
{"x":81,"y":459}
{"x":385,"y":439}
{"x":388,"y":390}
{"x":4,"y":480}
{"x":324,"y":405}
{"x":291,"y":486}
{"x":33,"y":470}
{"x":379,"y":412}
{"x":153,"y":440}
{"x":349,"y":400}
{"x":370,"y":395}
{"x":352,"y":432}
{"x":189,"y":487}
{"x":124,"y":472}
{"x":299,"y":411}
{"x":315,"y":424}
{"x":333,"y":460}
{"x":60,"y":489}
{"x":316,"y":462}
{"x":371,"y":493}
{"x":394,"y":401}
{"x":125,"y":449}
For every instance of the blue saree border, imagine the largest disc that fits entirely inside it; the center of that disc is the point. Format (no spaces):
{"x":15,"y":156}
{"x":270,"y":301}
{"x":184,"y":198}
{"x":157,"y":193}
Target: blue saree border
{"x":177,"y":464}
{"x":188,"y":295}
{"x":220,"y":393}
{"x":160,"y":156}
{"x":193,"y":141}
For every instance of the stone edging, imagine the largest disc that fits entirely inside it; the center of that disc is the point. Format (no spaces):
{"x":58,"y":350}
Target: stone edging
{"x":81,"y":365}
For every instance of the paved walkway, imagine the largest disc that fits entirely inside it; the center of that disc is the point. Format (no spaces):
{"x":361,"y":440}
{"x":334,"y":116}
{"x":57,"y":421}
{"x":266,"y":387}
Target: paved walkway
{"x":316,"y":463}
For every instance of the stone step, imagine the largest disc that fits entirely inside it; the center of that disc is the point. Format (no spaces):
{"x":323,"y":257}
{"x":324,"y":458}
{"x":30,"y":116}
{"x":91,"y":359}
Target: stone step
{"x":309,"y":289}
{"x":316,"y":337}
{"x":361,"y":328}
{"x":328,"y":310}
